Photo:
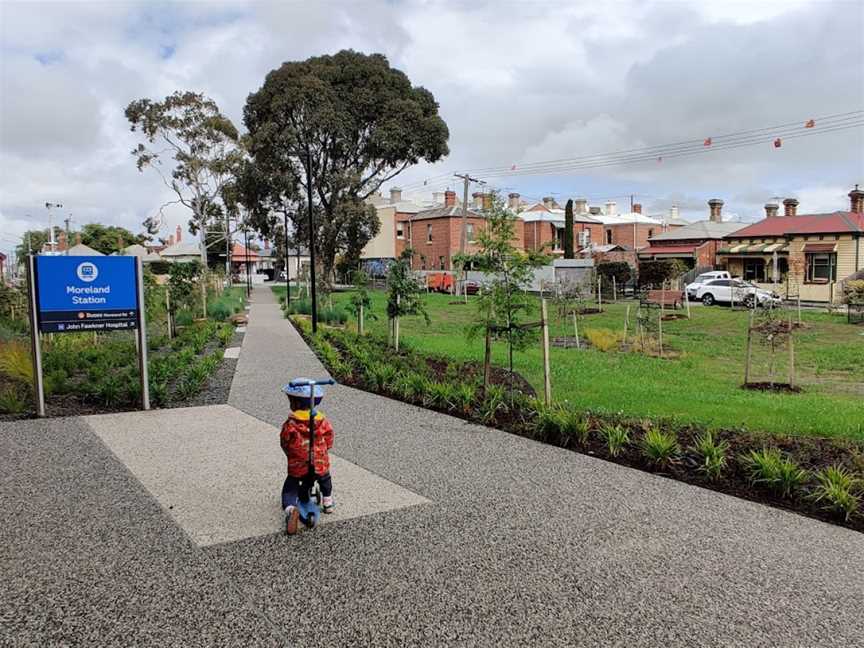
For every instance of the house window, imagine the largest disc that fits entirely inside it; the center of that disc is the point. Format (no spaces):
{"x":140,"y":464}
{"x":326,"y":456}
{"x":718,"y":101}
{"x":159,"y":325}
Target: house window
{"x":441,"y":262}
{"x":470,"y":232}
{"x":650,"y":233}
{"x":608,"y":237}
{"x":400,"y":230}
{"x":754,"y":270}
{"x":422,"y":262}
{"x":429,"y":233}
{"x":821,"y":268}
{"x":559,"y":238}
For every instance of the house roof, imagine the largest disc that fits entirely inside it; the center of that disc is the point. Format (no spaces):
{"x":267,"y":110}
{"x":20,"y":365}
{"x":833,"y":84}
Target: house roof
{"x":443,"y":211}
{"x":557,"y":216}
{"x":832,"y":223}
{"x":702,"y":230}
{"x":239,"y":251}
{"x":137,"y":250}
{"x":627,"y":219}
{"x":182,"y":249}
{"x":607,"y":248}
{"x":79,"y":249}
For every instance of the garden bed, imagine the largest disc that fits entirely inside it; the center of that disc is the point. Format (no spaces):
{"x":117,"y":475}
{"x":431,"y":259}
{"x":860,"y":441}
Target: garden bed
{"x":778,"y":387}
{"x":786,"y":472}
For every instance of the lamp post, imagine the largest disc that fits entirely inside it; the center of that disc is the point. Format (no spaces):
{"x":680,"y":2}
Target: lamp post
{"x":314,"y":287}
{"x":287,"y":257}
{"x":246,"y":254}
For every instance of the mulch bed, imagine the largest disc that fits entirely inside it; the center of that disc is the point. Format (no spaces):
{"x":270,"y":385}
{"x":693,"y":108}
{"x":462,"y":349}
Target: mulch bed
{"x":214,"y":392}
{"x":589,"y":311}
{"x":569,"y":342}
{"x":513,"y":381}
{"x":780,"y":388}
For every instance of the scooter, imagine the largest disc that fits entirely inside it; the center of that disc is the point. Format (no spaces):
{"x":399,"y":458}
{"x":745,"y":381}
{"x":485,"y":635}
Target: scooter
{"x":309,"y":499}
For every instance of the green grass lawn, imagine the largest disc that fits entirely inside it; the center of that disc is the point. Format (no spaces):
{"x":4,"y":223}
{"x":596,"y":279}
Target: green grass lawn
{"x":702,"y":386}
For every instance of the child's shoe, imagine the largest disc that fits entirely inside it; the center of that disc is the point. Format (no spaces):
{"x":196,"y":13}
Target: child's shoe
{"x":327,"y":504}
{"x":292,"y":517}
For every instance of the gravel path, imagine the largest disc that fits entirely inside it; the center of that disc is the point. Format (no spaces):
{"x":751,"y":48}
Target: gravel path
{"x":521,"y":544}
{"x":531,"y":544}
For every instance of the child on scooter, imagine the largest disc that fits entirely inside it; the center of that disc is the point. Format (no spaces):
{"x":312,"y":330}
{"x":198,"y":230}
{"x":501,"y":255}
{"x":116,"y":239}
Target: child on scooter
{"x":294,"y":440}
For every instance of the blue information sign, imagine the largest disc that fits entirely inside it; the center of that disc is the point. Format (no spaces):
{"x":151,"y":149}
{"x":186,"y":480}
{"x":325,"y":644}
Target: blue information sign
{"x":86,"y":293}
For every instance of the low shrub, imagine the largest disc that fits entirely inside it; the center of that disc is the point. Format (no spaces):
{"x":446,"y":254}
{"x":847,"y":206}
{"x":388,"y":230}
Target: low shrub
{"x":15,"y":361}
{"x":711,"y":454}
{"x":836,"y":491}
{"x":771,"y":468}
{"x":603,"y":339}
{"x":616,"y":437}
{"x":660,"y":447}
{"x":494,"y":403}
{"x":12,"y":400}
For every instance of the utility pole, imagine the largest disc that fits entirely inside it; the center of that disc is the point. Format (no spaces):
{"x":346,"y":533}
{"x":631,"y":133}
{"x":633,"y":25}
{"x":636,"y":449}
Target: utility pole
{"x":467,"y":180}
{"x":635,"y":246}
{"x":228,"y":249}
{"x":52,"y":244}
{"x":68,"y":233}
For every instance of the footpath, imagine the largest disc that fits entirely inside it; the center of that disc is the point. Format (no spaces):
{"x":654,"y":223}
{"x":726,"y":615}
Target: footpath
{"x":163,"y":528}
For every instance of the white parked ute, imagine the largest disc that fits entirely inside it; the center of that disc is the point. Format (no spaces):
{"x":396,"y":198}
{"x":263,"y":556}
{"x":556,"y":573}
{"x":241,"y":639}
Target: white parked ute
{"x":702,"y":279}
{"x":723,"y":290}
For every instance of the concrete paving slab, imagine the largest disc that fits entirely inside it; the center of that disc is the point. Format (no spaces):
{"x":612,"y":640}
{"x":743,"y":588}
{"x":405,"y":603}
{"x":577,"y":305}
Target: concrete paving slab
{"x":232,"y":352}
{"x":219,"y":471}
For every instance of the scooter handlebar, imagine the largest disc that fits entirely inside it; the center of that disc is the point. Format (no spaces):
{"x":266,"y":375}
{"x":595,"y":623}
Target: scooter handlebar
{"x":310,"y":383}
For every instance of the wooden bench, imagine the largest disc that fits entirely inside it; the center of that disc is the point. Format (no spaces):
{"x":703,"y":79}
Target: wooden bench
{"x":664,"y":298}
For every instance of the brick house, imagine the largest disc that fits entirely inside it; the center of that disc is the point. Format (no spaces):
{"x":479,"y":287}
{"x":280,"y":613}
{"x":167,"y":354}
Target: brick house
{"x":631,"y":230}
{"x":696,"y":244}
{"x":799,"y":254}
{"x":544,"y":226}
{"x":435,"y":234}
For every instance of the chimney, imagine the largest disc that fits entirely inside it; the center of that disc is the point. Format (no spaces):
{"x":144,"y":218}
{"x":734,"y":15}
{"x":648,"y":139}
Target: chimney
{"x":449,"y":198}
{"x":611,"y":208}
{"x":594,"y":211}
{"x":487,"y":201}
{"x":478,"y":199}
{"x":637,"y":208}
{"x":395,"y":195}
{"x":856,"y":200}
{"x":438,"y":197}
{"x":171,"y":240}
{"x":790,"y":206}
{"x":673,"y":213}
{"x":179,"y":234}
{"x":716,"y":207}
{"x":580,"y":206}
{"x":548,"y":201}
{"x":513,"y":201}
{"x":77,"y":238}
{"x":771,"y":210}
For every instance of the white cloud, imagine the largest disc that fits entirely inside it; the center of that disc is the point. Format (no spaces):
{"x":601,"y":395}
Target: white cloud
{"x":516,"y":82}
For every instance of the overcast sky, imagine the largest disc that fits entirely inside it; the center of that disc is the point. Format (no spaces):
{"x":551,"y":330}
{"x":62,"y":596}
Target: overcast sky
{"x":517,"y":82}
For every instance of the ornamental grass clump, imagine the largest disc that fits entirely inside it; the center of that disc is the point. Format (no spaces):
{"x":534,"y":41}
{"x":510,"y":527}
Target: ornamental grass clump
{"x":836,"y":490}
{"x":660,"y":447}
{"x":711,"y":453}
{"x":616,"y":436}
{"x":771,"y":468}
{"x":603,"y":339}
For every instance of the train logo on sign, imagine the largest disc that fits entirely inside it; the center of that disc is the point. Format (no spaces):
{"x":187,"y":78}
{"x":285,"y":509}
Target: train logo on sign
{"x":87,"y":272}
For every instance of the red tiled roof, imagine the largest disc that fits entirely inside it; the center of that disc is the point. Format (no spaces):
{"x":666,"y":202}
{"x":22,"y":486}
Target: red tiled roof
{"x":239,"y":252}
{"x":833,"y":223}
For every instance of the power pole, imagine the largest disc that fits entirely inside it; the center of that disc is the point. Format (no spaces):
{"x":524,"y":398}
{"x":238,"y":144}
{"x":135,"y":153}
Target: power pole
{"x":467,"y":180}
{"x":68,"y":233}
{"x":52,"y":244}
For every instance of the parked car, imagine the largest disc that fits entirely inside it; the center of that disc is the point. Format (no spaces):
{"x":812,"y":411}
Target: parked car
{"x":702,"y":279}
{"x":472,"y":287}
{"x":723,"y":291}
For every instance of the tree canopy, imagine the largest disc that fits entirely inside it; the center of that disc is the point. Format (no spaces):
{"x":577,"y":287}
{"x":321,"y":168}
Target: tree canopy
{"x":356,"y":122}
{"x":188,"y":132}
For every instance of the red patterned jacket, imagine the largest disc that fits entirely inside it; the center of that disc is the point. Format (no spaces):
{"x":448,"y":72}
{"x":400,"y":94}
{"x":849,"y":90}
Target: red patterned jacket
{"x":294,"y":439}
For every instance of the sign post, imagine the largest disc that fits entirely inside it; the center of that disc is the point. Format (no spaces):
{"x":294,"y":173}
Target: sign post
{"x":35,"y":349}
{"x":71,"y":294}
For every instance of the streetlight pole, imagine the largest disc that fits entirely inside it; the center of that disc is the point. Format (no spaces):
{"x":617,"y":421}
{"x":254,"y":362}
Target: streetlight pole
{"x":248,"y":284}
{"x":287,"y":257}
{"x":311,"y":241}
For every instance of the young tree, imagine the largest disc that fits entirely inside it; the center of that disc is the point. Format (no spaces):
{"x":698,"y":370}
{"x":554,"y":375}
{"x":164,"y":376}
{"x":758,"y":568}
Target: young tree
{"x":360,"y":303}
{"x":504,"y":300}
{"x":349,"y":122}
{"x":191,"y":145}
{"x":404,"y":294}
